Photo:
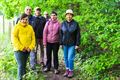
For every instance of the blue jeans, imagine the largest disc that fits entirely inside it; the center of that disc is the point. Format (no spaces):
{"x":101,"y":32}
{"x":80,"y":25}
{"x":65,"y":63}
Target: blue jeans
{"x":33,"y":54}
{"x":33,"y":59}
{"x":21,"y":58}
{"x":69,"y":55}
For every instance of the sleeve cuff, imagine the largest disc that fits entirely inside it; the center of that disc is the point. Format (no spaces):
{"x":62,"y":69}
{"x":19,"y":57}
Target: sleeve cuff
{"x":21,"y":48}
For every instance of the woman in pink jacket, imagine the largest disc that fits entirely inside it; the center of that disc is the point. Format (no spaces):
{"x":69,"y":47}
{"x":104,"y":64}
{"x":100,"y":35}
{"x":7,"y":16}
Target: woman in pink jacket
{"x":51,"y":42}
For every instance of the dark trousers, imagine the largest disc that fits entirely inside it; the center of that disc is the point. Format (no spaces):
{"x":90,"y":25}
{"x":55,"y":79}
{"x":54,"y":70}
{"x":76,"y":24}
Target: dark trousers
{"x":52,"y":47}
{"x":21,"y":58}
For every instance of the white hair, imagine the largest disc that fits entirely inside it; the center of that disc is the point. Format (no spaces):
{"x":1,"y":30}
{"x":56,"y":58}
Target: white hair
{"x":27,"y":7}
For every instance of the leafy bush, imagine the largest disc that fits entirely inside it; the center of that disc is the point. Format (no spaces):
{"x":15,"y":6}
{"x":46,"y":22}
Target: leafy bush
{"x":8,"y":65}
{"x":100,"y":38}
{"x":8,"y":68}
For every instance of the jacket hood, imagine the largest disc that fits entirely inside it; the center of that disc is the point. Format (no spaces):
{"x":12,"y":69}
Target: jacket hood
{"x":53,"y":21}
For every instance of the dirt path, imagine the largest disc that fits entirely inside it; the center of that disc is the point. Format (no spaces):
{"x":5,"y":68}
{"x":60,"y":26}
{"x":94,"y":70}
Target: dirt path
{"x":51,"y":76}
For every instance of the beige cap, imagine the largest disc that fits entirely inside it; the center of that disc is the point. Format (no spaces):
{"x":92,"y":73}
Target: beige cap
{"x":69,"y":11}
{"x":37,"y":8}
{"x":45,"y":12}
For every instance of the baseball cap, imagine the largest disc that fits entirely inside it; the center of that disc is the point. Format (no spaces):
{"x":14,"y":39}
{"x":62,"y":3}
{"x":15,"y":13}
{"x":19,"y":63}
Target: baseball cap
{"x":37,"y":9}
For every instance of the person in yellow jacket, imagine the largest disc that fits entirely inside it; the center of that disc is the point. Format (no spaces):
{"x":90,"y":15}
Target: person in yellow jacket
{"x":23,"y":40}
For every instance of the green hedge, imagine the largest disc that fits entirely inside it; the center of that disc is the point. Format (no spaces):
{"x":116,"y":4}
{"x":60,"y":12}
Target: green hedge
{"x":100,"y":38}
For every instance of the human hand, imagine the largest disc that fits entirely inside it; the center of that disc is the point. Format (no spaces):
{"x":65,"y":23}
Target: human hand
{"x":28,"y":49}
{"x":61,"y":46}
{"x":76,"y":47}
{"x":44,"y":46}
{"x":24,"y":49}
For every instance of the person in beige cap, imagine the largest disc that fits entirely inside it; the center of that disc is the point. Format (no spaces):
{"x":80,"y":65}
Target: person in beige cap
{"x":70,"y":40}
{"x":38,"y":26}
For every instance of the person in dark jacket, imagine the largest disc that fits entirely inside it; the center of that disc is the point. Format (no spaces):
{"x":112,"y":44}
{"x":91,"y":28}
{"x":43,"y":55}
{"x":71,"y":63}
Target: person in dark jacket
{"x":70,"y":40}
{"x":38,"y":26}
{"x":28,"y":11}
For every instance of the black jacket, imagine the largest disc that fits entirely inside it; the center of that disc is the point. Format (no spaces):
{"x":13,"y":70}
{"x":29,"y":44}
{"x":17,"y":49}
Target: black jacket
{"x":30,"y":20}
{"x":70,"y":33}
{"x":38,"y":26}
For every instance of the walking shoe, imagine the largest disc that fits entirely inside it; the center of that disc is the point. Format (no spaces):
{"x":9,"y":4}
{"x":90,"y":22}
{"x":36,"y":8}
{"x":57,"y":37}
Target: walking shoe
{"x":70,"y":75}
{"x":56,"y":71}
{"x":66,"y":73}
{"x":42,"y":64}
{"x":46,"y":69}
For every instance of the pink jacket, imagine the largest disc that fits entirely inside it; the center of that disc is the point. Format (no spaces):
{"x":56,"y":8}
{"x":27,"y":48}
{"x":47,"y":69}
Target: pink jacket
{"x":51,"y":32}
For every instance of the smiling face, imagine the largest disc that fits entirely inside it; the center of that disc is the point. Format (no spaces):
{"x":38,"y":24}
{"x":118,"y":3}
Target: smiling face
{"x":69,"y":17}
{"x":24,"y":20}
{"x":53,"y":16}
{"x":37,"y":13}
{"x":28,"y":11}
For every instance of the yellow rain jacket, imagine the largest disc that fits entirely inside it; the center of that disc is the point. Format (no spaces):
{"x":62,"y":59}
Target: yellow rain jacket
{"x":23,"y":36}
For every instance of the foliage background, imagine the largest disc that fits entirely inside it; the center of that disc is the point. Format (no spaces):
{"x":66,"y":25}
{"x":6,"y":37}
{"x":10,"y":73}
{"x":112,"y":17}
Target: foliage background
{"x":99,"y":21}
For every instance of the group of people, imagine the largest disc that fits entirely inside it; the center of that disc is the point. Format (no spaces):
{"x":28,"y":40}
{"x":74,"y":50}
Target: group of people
{"x":30,"y":32}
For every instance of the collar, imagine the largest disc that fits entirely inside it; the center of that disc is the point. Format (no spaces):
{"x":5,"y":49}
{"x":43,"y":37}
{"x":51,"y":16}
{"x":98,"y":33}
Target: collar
{"x":53,"y":21}
{"x":70,"y":21}
{"x":37,"y":16}
{"x":24,"y":25}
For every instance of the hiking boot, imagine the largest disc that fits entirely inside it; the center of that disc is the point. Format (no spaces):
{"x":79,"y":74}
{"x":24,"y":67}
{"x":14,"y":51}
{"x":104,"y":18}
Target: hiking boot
{"x":70,"y":75}
{"x":56,"y":71}
{"x":66,"y":73}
